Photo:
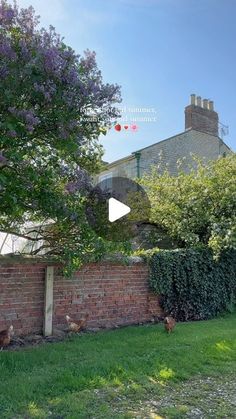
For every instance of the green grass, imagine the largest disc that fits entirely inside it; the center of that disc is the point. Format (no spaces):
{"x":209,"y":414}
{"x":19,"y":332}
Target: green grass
{"x":112,"y":374}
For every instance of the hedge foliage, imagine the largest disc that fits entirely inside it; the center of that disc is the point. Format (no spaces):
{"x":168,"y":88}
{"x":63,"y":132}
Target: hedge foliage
{"x":192,"y":284}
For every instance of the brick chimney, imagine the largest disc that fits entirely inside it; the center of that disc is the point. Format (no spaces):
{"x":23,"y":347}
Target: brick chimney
{"x":200,"y":115}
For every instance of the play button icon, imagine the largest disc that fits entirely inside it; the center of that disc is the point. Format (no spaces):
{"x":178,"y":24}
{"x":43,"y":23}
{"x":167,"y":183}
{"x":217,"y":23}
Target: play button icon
{"x":117,"y":210}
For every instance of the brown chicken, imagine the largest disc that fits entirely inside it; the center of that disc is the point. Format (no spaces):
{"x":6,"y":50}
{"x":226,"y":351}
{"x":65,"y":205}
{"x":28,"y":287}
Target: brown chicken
{"x":169,"y":323}
{"x":5,"y":336}
{"x":77,"y":326}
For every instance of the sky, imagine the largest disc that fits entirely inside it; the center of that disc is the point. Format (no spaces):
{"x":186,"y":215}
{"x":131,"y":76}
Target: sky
{"x":159,"y":52}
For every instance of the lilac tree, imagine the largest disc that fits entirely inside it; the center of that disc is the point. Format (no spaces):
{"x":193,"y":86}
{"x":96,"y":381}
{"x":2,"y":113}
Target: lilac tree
{"x":54,"y":105}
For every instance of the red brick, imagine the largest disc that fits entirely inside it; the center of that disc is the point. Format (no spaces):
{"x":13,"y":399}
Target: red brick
{"x":112,"y":294}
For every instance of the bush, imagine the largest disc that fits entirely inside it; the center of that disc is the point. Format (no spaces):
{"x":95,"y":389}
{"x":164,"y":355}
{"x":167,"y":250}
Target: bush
{"x":192,"y":284}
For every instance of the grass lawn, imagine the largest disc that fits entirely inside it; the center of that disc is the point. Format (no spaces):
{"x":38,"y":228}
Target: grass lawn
{"x":134,"y":372}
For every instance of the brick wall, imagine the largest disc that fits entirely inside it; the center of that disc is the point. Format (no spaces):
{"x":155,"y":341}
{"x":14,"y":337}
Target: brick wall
{"x":112,"y":294}
{"x":201,"y":119}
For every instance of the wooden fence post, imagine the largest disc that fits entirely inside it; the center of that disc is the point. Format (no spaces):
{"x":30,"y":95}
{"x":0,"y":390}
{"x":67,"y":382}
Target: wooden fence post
{"x":48,"y":298}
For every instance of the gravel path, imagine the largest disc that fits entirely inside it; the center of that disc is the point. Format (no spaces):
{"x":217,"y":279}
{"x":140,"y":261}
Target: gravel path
{"x":210,"y":397}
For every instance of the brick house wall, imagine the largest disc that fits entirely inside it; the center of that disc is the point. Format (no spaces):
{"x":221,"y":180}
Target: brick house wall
{"x":112,"y":295}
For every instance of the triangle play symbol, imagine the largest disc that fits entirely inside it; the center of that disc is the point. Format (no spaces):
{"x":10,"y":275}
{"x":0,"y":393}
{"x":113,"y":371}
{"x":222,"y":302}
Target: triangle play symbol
{"x":116,"y":210}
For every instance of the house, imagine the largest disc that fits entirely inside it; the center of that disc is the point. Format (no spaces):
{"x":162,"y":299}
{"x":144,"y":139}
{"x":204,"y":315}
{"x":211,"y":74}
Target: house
{"x":200,"y":139}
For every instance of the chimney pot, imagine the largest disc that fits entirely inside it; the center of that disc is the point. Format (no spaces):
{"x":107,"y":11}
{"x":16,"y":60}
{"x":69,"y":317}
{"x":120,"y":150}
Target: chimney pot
{"x":199,"y":101}
{"x":211,"y":105}
{"x":193,"y":99}
{"x":205,"y":103}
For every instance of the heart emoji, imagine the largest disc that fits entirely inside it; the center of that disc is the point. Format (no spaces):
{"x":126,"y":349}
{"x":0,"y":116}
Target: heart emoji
{"x":134,"y":127}
{"x":118,"y":127}
{"x":126,"y":126}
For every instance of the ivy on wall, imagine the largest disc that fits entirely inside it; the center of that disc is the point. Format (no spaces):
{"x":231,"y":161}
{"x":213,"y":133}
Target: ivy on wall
{"x":192,"y":284}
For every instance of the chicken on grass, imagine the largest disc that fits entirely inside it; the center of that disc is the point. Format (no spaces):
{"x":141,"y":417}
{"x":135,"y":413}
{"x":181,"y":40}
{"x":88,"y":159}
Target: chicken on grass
{"x":5,"y":337}
{"x":169,"y":323}
{"x":78,"y":325}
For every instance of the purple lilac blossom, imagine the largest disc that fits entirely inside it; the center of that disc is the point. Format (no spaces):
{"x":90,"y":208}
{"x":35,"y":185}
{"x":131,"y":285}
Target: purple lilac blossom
{"x":27,"y":116}
{"x":72,"y":81}
{"x":81,"y":182}
{"x":6,"y":50}
{"x":12,"y":133}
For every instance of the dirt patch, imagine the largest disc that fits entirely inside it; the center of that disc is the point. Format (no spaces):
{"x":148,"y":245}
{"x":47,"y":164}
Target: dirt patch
{"x":22,"y":342}
{"x":59,"y":335}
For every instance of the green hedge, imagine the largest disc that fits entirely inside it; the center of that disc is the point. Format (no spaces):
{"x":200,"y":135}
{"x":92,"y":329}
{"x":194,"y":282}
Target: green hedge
{"x":192,"y":284}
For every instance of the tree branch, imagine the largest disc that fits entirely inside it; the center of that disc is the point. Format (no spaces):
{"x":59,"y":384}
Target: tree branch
{"x":23,"y":236}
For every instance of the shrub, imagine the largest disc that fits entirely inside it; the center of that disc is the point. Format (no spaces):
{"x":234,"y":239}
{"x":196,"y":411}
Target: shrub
{"x":192,"y":284}
{"x":198,"y":206}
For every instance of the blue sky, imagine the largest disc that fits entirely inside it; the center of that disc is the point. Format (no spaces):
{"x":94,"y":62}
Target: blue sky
{"x":159,"y":51}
